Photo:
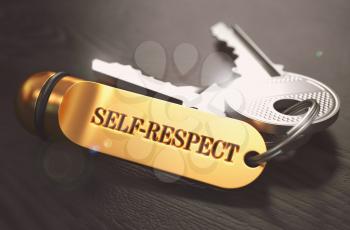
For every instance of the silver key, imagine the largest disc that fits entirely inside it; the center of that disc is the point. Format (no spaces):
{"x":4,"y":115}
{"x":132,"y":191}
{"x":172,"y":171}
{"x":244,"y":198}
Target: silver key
{"x":264,"y":90}
{"x":187,"y":95}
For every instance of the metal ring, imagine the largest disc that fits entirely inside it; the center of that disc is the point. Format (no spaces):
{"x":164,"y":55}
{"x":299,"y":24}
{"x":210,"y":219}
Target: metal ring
{"x":42,"y":100}
{"x":293,"y":133}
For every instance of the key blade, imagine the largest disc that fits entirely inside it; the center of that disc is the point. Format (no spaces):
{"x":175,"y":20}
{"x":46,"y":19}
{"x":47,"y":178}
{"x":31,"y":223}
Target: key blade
{"x":251,"y":61}
{"x":259,"y":54}
{"x":214,"y":97}
{"x":212,"y":100}
{"x":187,"y":94}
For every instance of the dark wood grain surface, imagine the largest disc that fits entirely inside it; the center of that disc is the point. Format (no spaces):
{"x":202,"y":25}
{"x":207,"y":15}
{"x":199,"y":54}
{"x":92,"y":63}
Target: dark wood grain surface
{"x":59,"y":186}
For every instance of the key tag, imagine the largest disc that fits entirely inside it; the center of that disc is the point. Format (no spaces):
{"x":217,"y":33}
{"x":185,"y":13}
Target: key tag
{"x":144,"y":130}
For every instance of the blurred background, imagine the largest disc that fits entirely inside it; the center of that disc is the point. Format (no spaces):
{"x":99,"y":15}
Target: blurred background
{"x":61,"y":186}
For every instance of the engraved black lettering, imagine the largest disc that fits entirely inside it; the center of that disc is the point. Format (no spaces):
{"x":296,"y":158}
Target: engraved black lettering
{"x":178,"y":140}
{"x":111,"y":118}
{"x":165,"y":136}
{"x":215,"y":147}
{"x":98,"y":115}
{"x":232,"y":149}
{"x":121,"y":122}
{"x":135,"y":124}
{"x":193,"y":138}
{"x":204,"y":145}
{"x":153,"y":128}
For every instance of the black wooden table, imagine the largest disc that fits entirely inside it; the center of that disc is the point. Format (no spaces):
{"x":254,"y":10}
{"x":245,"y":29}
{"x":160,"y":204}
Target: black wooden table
{"x":59,"y":186}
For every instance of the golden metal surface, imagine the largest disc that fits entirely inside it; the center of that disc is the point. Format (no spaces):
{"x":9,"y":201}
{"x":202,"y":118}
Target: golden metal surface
{"x":28,"y":95}
{"x":120,"y":123}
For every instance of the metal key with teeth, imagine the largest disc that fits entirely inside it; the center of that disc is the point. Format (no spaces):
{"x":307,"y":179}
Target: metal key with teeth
{"x":186,"y":95}
{"x":128,"y":78}
{"x":259,"y":96}
{"x":264,"y":90}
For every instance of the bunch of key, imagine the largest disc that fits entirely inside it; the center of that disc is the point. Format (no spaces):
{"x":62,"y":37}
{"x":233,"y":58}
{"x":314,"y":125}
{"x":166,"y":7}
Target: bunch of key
{"x":261,"y":95}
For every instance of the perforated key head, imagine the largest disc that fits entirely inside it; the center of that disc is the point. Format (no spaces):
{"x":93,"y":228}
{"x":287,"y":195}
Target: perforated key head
{"x":261,"y":102}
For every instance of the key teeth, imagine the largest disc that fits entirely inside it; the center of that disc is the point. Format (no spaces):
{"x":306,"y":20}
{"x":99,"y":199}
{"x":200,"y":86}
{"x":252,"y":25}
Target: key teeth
{"x":221,"y":26}
{"x":140,"y":73}
{"x":129,"y":67}
{"x":220,"y":37}
{"x":235,"y":72}
{"x":137,"y":71}
{"x":166,"y":88}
